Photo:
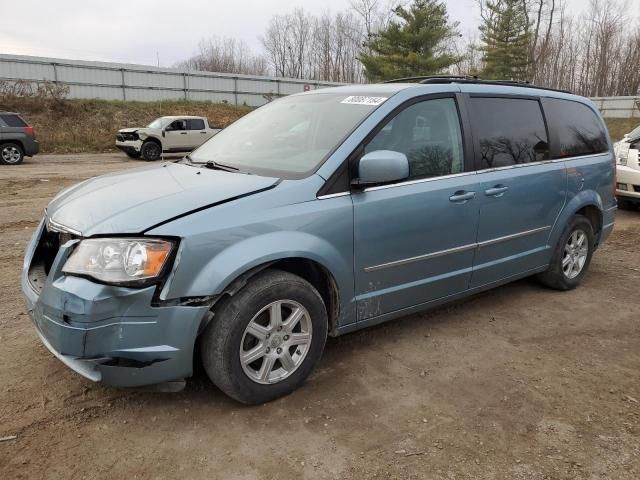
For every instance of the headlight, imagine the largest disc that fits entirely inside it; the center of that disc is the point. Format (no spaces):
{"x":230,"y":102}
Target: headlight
{"x":120,"y":260}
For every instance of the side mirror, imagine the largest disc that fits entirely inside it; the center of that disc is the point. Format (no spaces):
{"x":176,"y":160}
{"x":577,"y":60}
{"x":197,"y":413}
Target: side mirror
{"x":381,"y":166}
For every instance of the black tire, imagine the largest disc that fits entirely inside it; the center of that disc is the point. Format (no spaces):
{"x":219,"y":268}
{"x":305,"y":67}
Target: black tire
{"x":134,"y":155}
{"x":11,"y":154}
{"x":225,"y":337}
{"x":151,"y":150}
{"x":556,"y":277}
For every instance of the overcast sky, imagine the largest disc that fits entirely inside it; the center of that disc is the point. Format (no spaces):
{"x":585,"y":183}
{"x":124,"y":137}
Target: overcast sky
{"x":137,"y":31}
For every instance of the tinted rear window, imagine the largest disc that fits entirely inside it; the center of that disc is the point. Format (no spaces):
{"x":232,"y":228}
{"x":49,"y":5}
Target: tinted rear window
{"x":576,"y":128}
{"x":510,"y":131}
{"x":195,"y":124}
{"x":12,"y":120}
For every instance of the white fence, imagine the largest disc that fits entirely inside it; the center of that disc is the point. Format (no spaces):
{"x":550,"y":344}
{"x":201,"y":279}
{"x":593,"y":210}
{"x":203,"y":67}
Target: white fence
{"x":115,"y":81}
{"x":618,"y":107}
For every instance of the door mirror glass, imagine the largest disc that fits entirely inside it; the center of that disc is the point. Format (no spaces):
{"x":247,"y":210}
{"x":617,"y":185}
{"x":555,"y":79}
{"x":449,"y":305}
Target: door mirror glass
{"x":382,"y":166}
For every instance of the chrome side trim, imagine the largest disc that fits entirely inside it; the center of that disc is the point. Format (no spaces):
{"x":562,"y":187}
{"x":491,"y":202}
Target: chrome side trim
{"x":513,"y":236}
{"x":608,"y":225}
{"x":54,"y":226}
{"x":420,"y":180}
{"x":449,"y":251}
{"x":333,"y":195}
{"x":419,"y":258}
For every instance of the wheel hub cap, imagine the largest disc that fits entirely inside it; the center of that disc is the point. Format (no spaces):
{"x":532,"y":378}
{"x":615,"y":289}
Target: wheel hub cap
{"x":276,"y":342}
{"x":10,"y":154}
{"x":576,"y":251}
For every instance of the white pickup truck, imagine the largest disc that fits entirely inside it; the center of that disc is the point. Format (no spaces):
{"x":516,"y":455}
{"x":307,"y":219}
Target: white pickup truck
{"x":170,"y":135}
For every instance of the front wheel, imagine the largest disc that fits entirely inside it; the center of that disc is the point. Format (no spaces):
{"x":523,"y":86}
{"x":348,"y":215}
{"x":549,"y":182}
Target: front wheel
{"x":264,"y":341}
{"x":571,"y":257}
{"x":151,"y":150}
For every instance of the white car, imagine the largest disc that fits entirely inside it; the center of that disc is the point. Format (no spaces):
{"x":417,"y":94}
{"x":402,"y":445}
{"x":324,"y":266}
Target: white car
{"x":172,"y":135}
{"x":628,"y":163}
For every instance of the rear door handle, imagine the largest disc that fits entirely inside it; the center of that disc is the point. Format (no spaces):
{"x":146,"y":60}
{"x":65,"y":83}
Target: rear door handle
{"x":496,"y":191}
{"x":183,"y":133}
{"x":462,"y":196}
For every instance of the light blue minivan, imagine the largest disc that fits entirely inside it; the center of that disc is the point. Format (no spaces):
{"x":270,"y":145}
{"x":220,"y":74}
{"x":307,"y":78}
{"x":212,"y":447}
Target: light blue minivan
{"x":315,"y":215}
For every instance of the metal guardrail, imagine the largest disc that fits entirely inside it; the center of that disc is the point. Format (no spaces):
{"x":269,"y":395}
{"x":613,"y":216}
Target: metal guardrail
{"x":116,"y":81}
{"x":113,"y":81}
{"x":618,"y":107}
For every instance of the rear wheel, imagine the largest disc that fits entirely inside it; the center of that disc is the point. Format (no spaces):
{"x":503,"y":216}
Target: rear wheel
{"x":265,"y":340}
{"x":11,"y":154}
{"x":151,"y":150}
{"x":572,"y":256}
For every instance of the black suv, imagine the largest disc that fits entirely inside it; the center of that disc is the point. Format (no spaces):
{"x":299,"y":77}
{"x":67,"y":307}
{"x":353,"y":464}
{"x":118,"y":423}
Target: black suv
{"x":17,"y":139}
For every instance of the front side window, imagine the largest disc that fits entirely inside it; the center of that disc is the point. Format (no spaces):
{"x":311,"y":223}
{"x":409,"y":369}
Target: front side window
{"x":177,"y":125}
{"x":428,"y":133}
{"x":577,"y":128}
{"x":510,"y":131}
{"x":290,"y":137}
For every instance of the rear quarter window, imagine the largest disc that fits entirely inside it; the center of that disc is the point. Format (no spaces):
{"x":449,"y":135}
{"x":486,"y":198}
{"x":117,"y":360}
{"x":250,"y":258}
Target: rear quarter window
{"x":12,"y":120}
{"x":576,"y":129}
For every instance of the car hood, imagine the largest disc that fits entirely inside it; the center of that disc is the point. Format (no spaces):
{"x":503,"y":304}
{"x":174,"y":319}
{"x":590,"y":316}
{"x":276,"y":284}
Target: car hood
{"x":140,"y":130}
{"x":135,"y":200}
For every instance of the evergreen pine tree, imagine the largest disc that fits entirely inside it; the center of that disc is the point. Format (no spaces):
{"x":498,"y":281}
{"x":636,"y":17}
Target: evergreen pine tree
{"x":505,"y":37}
{"x":414,"y":44}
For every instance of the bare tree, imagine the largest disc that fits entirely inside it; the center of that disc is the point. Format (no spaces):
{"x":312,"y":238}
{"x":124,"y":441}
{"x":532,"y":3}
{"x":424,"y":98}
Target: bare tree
{"x":226,"y":55}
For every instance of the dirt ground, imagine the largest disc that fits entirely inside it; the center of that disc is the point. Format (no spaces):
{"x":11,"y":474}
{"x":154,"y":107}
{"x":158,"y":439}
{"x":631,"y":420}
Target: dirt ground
{"x":517,"y":383}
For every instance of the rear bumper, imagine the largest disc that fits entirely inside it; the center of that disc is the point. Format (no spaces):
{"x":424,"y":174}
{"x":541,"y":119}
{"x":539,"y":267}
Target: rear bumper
{"x":111,"y":334}
{"x":31,"y":147}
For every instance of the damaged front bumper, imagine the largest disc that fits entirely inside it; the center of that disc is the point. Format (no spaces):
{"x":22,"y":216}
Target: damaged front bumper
{"x":109,"y":334}
{"x":129,"y":146}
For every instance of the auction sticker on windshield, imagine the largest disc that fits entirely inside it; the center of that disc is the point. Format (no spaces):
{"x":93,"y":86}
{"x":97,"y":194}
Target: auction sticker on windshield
{"x":362,"y":100}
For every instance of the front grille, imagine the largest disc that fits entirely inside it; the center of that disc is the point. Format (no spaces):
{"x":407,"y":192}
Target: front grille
{"x":44,"y":256}
{"x":124,"y":137}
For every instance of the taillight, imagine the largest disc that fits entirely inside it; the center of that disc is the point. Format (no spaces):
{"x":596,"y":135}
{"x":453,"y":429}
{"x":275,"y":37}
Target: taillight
{"x":29,"y":131}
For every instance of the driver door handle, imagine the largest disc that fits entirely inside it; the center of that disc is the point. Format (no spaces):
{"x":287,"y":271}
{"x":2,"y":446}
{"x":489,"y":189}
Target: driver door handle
{"x":183,"y":133}
{"x":461,"y":196}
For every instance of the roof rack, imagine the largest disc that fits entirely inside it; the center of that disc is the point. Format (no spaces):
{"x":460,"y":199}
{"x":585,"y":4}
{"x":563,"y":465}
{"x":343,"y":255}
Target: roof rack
{"x":469,"y":79}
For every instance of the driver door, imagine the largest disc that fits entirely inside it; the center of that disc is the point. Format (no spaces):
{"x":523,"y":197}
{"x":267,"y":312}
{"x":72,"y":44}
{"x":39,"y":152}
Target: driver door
{"x":177,"y":138}
{"x":415,"y":239}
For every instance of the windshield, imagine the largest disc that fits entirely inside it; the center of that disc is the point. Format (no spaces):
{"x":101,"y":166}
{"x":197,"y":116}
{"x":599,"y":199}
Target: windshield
{"x":288,"y":138}
{"x":159,"y":122}
{"x":635,"y":134}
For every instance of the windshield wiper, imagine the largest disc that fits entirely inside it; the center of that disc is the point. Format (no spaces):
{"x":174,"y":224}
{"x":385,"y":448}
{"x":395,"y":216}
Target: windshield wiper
{"x":220,"y":166}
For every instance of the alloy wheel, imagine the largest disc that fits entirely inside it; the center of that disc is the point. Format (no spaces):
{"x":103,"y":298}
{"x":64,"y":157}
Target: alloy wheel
{"x":11,"y":154}
{"x":576,"y":251}
{"x":276,"y":342}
